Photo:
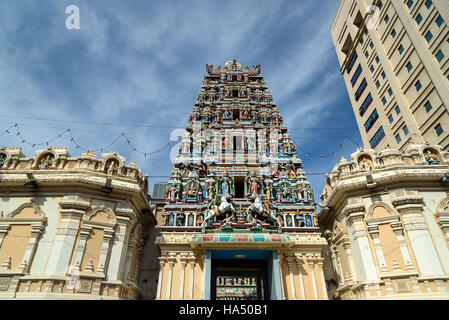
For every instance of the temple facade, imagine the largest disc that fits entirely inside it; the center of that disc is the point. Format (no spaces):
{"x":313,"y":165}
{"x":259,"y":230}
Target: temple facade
{"x":385,"y":216}
{"x":71,"y":227}
{"x":238,"y":218}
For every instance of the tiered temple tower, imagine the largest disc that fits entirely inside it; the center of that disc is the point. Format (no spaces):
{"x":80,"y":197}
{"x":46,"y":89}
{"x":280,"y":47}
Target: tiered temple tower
{"x":239,"y":220}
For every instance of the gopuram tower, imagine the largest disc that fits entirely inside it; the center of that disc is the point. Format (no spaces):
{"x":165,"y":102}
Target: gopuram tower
{"x":239,"y":219}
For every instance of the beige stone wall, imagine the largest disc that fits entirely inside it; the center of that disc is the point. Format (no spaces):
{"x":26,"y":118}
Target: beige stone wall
{"x":66,"y":227}
{"x":399,"y":216}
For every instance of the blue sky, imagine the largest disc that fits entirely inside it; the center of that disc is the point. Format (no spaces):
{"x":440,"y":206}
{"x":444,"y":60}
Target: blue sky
{"x":136,"y":67}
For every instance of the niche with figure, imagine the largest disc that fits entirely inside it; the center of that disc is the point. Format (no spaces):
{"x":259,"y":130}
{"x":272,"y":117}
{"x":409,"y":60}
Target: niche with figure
{"x":45,"y":161}
{"x":111,"y":167}
{"x":432,"y":156}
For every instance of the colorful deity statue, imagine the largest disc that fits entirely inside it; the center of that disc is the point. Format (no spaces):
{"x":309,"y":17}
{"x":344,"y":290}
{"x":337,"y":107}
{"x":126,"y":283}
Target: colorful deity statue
{"x":173,"y":192}
{"x":291,"y":173}
{"x":2,"y":159}
{"x":211,"y":188}
{"x":245,"y":114}
{"x":431,"y":157}
{"x":249,"y":143}
{"x":193,"y":189}
{"x":180,"y":219}
{"x":225,"y":184}
{"x":253,"y":184}
{"x":199,"y":219}
{"x":289,"y":147}
{"x":227,"y":114}
{"x":47,"y":162}
{"x":269,"y":189}
{"x":366,"y":165}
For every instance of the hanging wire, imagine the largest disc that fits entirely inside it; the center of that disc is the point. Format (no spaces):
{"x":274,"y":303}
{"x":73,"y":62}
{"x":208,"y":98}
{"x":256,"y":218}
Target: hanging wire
{"x":134,"y":148}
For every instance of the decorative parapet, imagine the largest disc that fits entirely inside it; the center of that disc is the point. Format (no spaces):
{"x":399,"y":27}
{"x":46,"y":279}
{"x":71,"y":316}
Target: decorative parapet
{"x":365,"y":162}
{"x":12,"y":160}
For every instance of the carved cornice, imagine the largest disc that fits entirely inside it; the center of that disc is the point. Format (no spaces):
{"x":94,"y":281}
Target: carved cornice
{"x":408,"y":199}
{"x":383,"y":220}
{"x":443,"y":219}
{"x":352,"y":208}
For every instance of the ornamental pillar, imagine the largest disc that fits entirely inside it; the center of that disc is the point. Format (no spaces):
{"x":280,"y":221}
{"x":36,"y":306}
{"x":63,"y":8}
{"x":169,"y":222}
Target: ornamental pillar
{"x":84,"y":235}
{"x":301,"y":279}
{"x":183,"y":259}
{"x":72,"y":210}
{"x":36,"y":231}
{"x":355,"y":216}
{"x":192,"y":273}
{"x":161,"y":272}
{"x":347,"y":248}
{"x":312,"y":274}
{"x":374,"y":233}
{"x":282,"y":281}
{"x":442,"y":219}
{"x":410,"y":207}
{"x":290,"y":261}
{"x":103,"y":262}
{"x":398,"y":231}
{"x":323,"y":282}
{"x":3,"y":232}
{"x":171,"y":263}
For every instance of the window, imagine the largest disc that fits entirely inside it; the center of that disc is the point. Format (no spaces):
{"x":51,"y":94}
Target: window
{"x":371,"y":120}
{"x":428,"y":3}
{"x":365,"y":104}
{"x":390,"y":92}
{"x":401,"y":49}
{"x":418,"y":85}
{"x":409,"y":3}
{"x":390,"y":118}
{"x":398,"y":111}
{"x":383,"y":75}
{"x":377,"y":59}
{"x":366,"y":32}
{"x":428,"y":106}
{"x":371,"y":45}
{"x":418,"y":18}
{"x":362,"y":41}
{"x":429,"y":36}
{"x":380,"y":5}
{"x":366,"y":54}
{"x":356,"y":75}
{"x":351,"y":62}
{"x":440,"y":56}
{"x":405,"y":129}
{"x":387,"y":18}
{"x":393,"y":33}
{"x":378,"y":136}
{"x":377,"y":84}
{"x":439,"y":21}
{"x":398,"y":138}
{"x":371,"y":69}
{"x":439,"y":129}
{"x":409,"y":66}
{"x":384,"y":100}
{"x":360,"y":90}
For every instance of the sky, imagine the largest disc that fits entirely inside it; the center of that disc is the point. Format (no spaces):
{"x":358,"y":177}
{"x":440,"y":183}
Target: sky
{"x":136,"y":67}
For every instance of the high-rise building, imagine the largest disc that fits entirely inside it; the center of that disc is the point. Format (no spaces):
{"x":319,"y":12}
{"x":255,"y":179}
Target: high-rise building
{"x":239,"y":219}
{"x":394,"y":59}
